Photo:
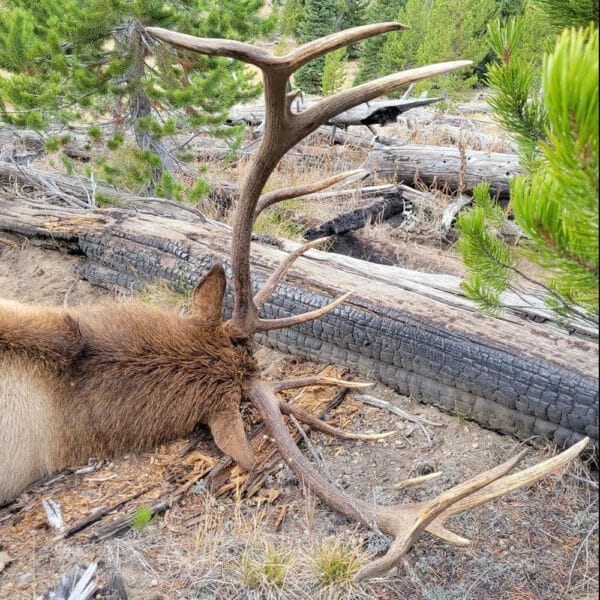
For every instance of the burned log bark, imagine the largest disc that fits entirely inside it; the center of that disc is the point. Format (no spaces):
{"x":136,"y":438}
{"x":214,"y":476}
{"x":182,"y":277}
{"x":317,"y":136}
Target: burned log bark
{"x":413,"y":331}
{"x":380,"y":210}
{"x":357,"y":245}
{"x":446,"y":168}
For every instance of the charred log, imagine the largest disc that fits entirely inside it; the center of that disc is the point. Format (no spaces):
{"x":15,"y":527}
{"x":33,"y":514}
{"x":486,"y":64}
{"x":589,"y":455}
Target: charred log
{"x":378,"y":211}
{"x":412,"y":331}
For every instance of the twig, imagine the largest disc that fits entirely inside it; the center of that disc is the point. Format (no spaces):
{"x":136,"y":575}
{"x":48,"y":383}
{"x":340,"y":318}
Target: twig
{"x":418,"y":420}
{"x":313,"y":451}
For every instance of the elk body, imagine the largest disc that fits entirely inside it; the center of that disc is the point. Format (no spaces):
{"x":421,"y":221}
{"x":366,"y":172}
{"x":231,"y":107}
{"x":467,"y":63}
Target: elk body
{"x":104,"y":380}
{"x":100,"y":381}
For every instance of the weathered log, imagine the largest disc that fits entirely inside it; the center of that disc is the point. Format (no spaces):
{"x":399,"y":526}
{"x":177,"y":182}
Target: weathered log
{"x":22,"y":146}
{"x":61,"y":189}
{"x":376,"y":112}
{"x":445,"y":168}
{"x":415,"y":332}
{"x":377,"y":211}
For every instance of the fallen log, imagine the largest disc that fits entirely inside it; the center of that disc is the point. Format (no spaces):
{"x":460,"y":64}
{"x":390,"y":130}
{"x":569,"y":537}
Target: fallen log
{"x":377,"y":211}
{"x":445,"y":168}
{"x":59,"y":189}
{"x":415,"y":332}
{"x":376,"y":112}
{"x":357,"y":245}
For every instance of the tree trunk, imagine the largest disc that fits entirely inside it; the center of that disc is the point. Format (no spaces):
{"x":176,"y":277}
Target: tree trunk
{"x":415,"y":332}
{"x":140,"y":107}
{"x":445,"y":168}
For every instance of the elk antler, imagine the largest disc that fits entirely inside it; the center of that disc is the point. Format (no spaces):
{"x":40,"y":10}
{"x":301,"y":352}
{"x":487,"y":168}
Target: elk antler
{"x":404,"y":522}
{"x":282,"y":130}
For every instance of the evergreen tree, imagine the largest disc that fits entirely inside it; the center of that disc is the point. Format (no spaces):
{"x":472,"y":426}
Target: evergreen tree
{"x":334,"y":71}
{"x":290,"y":18}
{"x":351,"y":13}
{"x":320,"y":18}
{"x":568,"y":13}
{"x":370,"y":56}
{"x":556,"y":202}
{"x":74,"y":61}
{"x":440,"y":30}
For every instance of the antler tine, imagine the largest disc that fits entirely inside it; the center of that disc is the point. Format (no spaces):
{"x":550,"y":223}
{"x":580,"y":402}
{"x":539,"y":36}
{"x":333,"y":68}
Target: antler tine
{"x":270,"y":324}
{"x":261,"y":297}
{"x":300,"y":382}
{"x":271,"y":198}
{"x":511,"y":482}
{"x":316,"y":423}
{"x":216,"y":47}
{"x":313,"y":49}
{"x":425,"y":512}
{"x":479,"y":490}
{"x":314,"y":116}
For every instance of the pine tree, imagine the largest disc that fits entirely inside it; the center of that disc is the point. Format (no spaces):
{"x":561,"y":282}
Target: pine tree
{"x":351,"y":13}
{"x":556,"y":202}
{"x":334,"y":71}
{"x":370,"y":56}
{"x":440,"y":30}
{"x":70,"y":62}
{"x":568,"y":13}
{"x":320,"y":18}
{"x":290,"y":17}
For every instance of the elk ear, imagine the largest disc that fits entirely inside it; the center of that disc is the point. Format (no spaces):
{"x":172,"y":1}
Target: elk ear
{"x":227,"y":429}
{"x":207,"y":298}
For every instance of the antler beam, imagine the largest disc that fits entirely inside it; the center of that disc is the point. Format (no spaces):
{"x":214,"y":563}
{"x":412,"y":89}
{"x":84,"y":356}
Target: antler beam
{"x":404,"y":521}
{"x":283,"y":130}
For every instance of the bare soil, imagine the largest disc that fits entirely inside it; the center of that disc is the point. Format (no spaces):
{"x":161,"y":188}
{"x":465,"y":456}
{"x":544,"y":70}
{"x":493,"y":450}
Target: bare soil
{"x":541,"y":542}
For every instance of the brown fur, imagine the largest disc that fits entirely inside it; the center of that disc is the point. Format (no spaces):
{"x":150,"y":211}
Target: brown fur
{"x":114,"y":378}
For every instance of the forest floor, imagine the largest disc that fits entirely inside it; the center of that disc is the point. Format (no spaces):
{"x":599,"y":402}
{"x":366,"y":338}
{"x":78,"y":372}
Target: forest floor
{"x":540,"y":542}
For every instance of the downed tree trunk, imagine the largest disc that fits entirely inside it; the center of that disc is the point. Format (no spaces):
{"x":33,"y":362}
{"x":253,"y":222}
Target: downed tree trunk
{"x":376,"y":112}
{"x":357,"y":245}
{"x":414,"y":332}
{"x":380,"y":210}
{"x":446,"y":168}
{"x":63,"y":190}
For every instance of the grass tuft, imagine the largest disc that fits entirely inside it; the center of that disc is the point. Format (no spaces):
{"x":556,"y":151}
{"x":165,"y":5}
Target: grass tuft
{"x":336,"y":562}
{"x":266,"y":566}
{"x":142,"y":518}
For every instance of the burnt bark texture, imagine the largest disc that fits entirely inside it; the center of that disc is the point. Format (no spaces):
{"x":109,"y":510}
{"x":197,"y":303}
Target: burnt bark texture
{"x":375,"y":212}
{"x":413,"y":332}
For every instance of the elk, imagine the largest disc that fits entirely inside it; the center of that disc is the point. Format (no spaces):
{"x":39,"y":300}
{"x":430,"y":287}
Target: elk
{"x":109,"y":378}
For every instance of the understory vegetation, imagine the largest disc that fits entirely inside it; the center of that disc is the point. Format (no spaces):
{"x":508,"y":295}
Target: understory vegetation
{"x":552,"y":115}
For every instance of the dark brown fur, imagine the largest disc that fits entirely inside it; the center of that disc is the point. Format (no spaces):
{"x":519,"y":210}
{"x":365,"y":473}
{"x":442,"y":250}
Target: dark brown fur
{"x":126,"y":377}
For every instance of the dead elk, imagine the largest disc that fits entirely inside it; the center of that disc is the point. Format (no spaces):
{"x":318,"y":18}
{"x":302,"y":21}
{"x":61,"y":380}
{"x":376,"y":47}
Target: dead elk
{"x":107,"y":379}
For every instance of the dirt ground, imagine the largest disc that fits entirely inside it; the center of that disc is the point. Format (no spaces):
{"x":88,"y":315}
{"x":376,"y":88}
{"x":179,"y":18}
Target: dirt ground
{"x":541,"y":542}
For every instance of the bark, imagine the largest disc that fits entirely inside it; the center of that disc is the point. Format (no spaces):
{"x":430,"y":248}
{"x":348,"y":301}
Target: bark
{"x":377,"y":211}
{"x":358,"y":245}
{"x":446,"y":168}
{"x":415,"y":332}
